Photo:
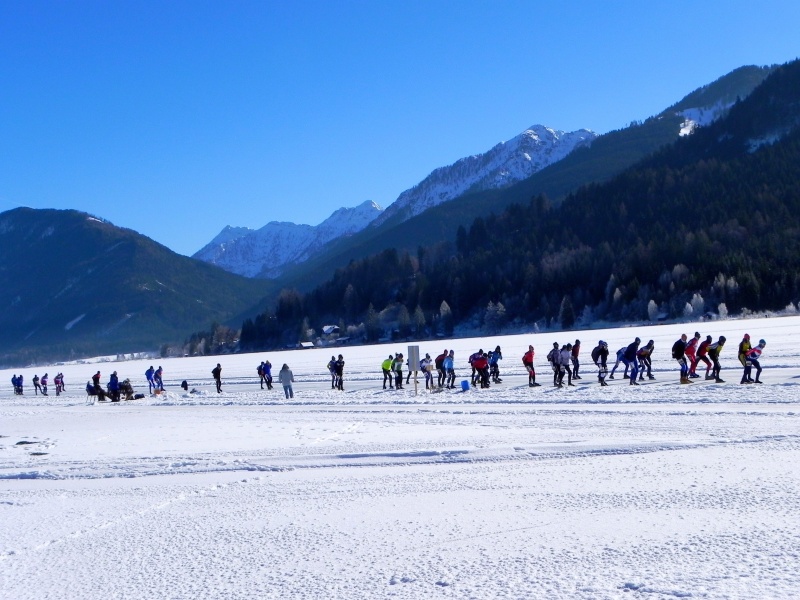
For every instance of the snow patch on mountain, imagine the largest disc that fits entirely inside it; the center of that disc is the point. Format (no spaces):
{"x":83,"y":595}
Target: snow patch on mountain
{"x":266,"y":252}
{"x":505,"y":164}
{"x":702,"y":116}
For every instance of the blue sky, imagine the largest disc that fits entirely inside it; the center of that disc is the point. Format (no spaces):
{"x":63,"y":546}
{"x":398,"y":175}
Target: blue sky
{"x":178,"y":118}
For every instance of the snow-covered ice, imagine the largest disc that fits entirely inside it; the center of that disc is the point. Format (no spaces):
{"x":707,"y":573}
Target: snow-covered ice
{"x":660,"y":491}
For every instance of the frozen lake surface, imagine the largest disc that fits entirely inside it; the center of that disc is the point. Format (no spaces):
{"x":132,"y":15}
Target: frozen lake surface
{"x":657,"y":491}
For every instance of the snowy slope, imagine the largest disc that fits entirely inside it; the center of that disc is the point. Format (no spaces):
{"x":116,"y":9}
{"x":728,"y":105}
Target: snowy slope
{"x":656,"y":491}
{"x":267,"y":251}
{"x":505,"y":164}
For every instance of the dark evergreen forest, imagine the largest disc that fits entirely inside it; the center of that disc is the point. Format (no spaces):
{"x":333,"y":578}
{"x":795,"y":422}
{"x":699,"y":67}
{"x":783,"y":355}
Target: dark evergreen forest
{"x":710,"y":220}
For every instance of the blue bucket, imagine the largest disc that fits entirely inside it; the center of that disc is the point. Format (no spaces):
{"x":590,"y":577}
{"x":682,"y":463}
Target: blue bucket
{"x":464,"y":385}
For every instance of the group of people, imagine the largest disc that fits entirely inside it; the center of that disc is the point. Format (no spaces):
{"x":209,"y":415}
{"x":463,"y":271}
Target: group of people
{"x":336,"y":369}
{"x":564,"y":360}
{"x":155,"y":379}
{"x":689,"y":353}
{"x":39,"y":384}
{"x":114,"y":390}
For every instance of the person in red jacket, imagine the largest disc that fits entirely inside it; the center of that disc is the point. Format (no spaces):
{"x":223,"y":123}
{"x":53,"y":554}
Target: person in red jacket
{"x":691,"y":354}
{"x":702,"y":354}
{"x":481,"y":366}
{"x":576,"y":350}
{"x":527,"y":362}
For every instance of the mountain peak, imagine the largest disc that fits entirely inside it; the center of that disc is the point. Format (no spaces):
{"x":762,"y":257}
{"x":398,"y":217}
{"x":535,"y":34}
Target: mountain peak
{"x":505,"y":164}
{"x":267,"y":251}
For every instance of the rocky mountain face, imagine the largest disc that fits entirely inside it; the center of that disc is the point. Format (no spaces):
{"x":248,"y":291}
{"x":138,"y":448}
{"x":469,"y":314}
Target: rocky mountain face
{"x":266,"y":252}
{"x":503,"y":165}
{"x":269,"y":251}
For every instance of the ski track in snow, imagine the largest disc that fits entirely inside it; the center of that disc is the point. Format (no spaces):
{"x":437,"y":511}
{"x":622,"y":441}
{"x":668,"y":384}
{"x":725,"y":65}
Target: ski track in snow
{"x":660,"y":491}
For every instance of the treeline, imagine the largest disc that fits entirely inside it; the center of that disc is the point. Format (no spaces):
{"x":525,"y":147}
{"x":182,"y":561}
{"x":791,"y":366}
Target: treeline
{"x":708,"y":224}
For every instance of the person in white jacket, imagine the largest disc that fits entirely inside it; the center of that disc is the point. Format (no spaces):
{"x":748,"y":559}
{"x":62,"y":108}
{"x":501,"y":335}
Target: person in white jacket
{"x":287,"y":379}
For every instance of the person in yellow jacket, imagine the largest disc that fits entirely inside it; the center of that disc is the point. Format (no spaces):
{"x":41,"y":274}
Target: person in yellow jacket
{"x":744,"y":350}
{"x":386,"y":366}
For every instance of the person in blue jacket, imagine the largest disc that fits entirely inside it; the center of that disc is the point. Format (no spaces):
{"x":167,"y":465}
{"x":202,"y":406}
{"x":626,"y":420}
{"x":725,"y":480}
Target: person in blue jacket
{"x":494,"y":366}
{"x":620,"y":359}
{"x":268,"y":374}
{"x":150,"y":373}
{"x":630,"y":356}
{"x":449,"y":368}
{"x":113,"y":387}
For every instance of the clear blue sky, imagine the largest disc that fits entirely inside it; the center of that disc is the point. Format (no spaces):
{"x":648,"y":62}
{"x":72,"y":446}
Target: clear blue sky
{"x":178,"y":118}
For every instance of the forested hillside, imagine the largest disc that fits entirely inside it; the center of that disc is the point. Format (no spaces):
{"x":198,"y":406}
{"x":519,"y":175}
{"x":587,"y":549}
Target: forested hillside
{"x":712,"y":219}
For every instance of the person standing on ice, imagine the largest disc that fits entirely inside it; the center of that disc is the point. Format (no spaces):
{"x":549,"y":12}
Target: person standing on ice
{"x":472,"y":358}
{"x":600,"y":358}
{"x":397,"y":367}
{"x":620,"y":359}
{"x":527,"y":362}
{"x":576,"y":363}
{"x":386,"y":367}
{"x":744,"y":350}
{"x":59,"y":381}
{"x":286,"y":378}
{"x":679,"y":354}
{"x":565,"y":360}
{"x":554,"y":358}
{"x":691,"y":354}
{"x":438,"y":362}
{"x":702,"y":354}
{"x":268,"y":374}
{"x":260,"y":372}
{"x":150,"y":374}
{"x":714,"y":351}
{"x":339,"y":370}
{"x":644,"y":355}
{"x":36,"y":387}
{"x":216,"y":373}
{"x":449,"y":366}
{"x":158,"y":378}
{"x":752,"y":361}
{"x":113,"y":387}
{"x":494,"y":364}
{"x":630,"y":356}
{"x":332,"y":371}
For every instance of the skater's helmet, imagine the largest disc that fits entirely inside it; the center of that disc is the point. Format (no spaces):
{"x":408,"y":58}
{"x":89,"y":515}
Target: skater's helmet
{"x":555,"y":344}
{"x":708,"y":339}
{"x":762,"y":342}
{"x":747,"y":336}
{"x":722,"y":339}
{"x":601,"y":343}
{"x":577,"y":342}
{"x":637,"y":340}
{"x":697,"y":335}
{"x":568,"y":346}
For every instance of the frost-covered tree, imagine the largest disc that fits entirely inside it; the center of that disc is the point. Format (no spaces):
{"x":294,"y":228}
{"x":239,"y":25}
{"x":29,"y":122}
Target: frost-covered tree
{"x":652,"y":310}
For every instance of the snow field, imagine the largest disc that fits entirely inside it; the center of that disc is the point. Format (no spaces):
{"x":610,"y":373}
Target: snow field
{"x":660,"y":491}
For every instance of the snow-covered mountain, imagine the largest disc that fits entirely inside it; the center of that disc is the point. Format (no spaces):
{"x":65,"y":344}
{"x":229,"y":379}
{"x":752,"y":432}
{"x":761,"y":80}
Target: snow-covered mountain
{"x":505,"y":164}
{"x":266,"y":252}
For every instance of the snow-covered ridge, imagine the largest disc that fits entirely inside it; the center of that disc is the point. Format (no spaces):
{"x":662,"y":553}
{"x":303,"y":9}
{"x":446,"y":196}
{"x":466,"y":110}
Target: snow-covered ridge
{"x":267,"y":251}
{"x":505,"y":164}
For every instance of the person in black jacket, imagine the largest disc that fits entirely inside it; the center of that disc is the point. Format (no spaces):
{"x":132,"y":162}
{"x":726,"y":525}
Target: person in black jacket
{"x":630,"y":356}
{"x":217,"y":373}
{"x":679,"y":354}
{"x":600,"y":358}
